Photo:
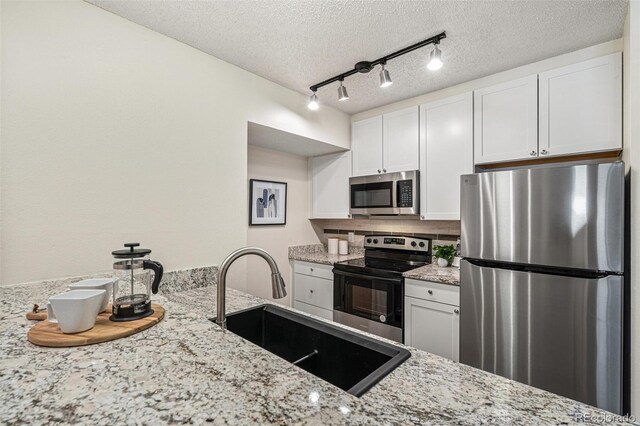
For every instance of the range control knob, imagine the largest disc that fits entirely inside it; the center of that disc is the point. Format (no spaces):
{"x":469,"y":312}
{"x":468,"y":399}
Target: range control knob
{"x":413,"y":244}
{"x":375,"y":241}
{"x":421,"y":244}
{"x":368,"y":240}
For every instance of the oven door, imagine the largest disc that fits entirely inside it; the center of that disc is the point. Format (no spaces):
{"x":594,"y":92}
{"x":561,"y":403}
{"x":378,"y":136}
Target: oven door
{"x":370,"y":303}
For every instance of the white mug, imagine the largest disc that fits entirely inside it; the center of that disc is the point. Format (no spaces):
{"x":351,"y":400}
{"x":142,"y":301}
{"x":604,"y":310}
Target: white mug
{"x":97,"y":284}
{"x":75,"y":310}
{"x":344,"y":247}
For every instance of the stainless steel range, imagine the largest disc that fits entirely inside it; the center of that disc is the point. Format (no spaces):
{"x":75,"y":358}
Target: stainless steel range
{"x":368,"y":293}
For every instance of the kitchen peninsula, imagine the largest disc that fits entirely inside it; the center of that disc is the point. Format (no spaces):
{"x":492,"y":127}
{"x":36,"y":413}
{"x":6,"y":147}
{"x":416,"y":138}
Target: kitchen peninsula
{"x":186,"y":369}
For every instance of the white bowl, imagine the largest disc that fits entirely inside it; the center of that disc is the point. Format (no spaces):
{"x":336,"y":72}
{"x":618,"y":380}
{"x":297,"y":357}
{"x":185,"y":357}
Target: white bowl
{"x":105,"y":284}
{"x":75,"y":310}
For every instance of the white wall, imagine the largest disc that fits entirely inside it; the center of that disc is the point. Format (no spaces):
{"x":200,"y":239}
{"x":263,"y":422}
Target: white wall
{"x":523,"y":71}
{"x":115,"y":133}
{"x":631,"y":156}
{"x":279,"y":166}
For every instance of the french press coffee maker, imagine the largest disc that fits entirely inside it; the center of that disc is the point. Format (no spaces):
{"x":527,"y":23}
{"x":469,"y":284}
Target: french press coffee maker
{"x":132,"y":291}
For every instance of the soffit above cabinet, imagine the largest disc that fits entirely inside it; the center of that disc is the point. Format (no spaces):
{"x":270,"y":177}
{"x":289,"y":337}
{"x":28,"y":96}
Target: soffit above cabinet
{"x":296,"y":43}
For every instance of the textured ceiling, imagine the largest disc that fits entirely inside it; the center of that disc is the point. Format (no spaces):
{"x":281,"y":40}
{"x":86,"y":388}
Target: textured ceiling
{"x":299,"y":43}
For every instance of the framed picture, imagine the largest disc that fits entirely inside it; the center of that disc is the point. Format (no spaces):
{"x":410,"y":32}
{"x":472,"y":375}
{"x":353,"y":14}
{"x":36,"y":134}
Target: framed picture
{"x":267,"y":202}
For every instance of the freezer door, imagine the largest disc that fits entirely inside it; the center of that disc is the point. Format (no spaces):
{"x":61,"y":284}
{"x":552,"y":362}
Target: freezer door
{"x":557,"y":333}
{"x":555,"y":216}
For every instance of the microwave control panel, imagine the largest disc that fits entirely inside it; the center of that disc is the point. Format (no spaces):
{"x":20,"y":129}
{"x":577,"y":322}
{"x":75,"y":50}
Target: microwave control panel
{"x":405,"y":193}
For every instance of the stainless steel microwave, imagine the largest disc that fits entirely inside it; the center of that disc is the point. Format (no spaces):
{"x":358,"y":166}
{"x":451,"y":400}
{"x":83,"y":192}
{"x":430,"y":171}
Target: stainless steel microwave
{"x":385,"y":194}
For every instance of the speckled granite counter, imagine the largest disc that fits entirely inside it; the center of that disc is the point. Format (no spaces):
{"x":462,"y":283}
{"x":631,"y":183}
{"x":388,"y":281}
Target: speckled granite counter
{"x":317,"y":253}
{"x":186,"y":369}
{"x":436,"y":274}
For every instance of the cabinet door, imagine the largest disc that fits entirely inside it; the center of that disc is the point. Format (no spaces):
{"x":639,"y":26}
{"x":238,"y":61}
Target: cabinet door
{"x":446,"y":152}
{"x":432,"y":327}
{"x":366,"y":146}
{"x":581,"y":107}
{"x":330,"y":180}
{"x":400,"y":147}
{"x":506,"y":121}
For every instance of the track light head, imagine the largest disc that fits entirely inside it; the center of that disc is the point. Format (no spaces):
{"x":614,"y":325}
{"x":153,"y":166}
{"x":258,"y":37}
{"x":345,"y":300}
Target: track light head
{"x":313,"y":102}
{"x":435,"y":61}
{"x":385,"y":77}
{"x":342,"y":92}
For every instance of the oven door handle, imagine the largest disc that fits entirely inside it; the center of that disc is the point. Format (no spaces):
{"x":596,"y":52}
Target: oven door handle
{"x":364,"y":276}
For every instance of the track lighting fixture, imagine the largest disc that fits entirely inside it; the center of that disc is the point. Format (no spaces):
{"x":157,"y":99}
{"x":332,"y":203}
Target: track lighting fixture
{"x":364,"y":67}
{"x":342,"y":92}
{"x":385,"y":78}
{"x":435,"y":61}
{"x":313,"y":102}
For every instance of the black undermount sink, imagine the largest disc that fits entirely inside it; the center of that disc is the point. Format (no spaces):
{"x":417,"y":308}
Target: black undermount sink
{"x":350,"y":361}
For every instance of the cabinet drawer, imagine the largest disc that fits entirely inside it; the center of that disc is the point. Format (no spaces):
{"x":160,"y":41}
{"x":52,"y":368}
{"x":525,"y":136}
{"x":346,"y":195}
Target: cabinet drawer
{"x":435,"y":292}
{"x":313,"y":269}
{"x":313,"y":310}
{"x":313,"y":291}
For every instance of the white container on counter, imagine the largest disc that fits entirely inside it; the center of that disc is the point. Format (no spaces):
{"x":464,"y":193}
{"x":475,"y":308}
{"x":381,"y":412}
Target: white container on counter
{"x":332,"y":245}
{"x":344,"y":247}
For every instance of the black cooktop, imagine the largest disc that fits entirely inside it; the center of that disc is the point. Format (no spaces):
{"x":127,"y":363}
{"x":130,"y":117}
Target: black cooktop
{"x":378,"y":267}
{"x":389,"y":256}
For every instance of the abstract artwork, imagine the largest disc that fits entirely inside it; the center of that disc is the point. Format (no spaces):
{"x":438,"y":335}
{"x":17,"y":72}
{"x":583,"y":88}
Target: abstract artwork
{"x":267,"y":202}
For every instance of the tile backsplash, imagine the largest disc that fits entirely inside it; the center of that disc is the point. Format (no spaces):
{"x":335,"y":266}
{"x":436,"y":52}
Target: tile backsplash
{"x":441,"y":231}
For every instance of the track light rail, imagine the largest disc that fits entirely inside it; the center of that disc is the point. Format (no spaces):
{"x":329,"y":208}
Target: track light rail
{"x":366,"y":66}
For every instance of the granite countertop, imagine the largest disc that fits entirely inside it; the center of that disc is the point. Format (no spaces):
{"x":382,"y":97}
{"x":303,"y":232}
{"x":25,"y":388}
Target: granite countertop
{"x":317,"y":253}
{"x":434,"y":273}
{"x":185,"y":369}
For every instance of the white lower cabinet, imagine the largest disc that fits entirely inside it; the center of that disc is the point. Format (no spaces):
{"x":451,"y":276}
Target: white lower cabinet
{"x":430,"y":324}
{"x":313,"y":288}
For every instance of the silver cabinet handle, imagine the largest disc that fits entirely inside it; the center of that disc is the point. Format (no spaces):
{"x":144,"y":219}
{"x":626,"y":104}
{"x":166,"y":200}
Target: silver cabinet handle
{"x":532,"y":153}
{"x":379,"y":171}
{"x":430,"y":291}
{"x":384,"y":170}
{"x":543,"y":152}
{"x":457,"y":311}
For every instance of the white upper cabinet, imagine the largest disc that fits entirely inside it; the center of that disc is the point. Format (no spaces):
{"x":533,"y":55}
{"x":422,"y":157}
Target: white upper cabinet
{"x":581,"y":107}
{"x":446,"y":149}
{"x":400,"y":141}
{"x":366,"y":145}
{"x":386,"y":143}
{"x":506,"y":121}
{"x":330,"y":186}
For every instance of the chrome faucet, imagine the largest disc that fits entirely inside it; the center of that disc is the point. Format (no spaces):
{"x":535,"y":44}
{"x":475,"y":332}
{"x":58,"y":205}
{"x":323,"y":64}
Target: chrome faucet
{"x":277,"y":283}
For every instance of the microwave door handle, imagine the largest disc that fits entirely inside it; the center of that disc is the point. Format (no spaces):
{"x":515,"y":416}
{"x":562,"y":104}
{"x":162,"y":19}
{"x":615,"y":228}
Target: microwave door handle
{"x":394,"y":195}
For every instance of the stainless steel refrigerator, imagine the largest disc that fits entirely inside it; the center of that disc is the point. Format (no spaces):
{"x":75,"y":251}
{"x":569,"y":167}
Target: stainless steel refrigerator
{"x":542,"y":283}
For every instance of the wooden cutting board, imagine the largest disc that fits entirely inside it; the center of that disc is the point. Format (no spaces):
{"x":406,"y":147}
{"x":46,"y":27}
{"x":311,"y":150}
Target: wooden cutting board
{"x":48,"y":334}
